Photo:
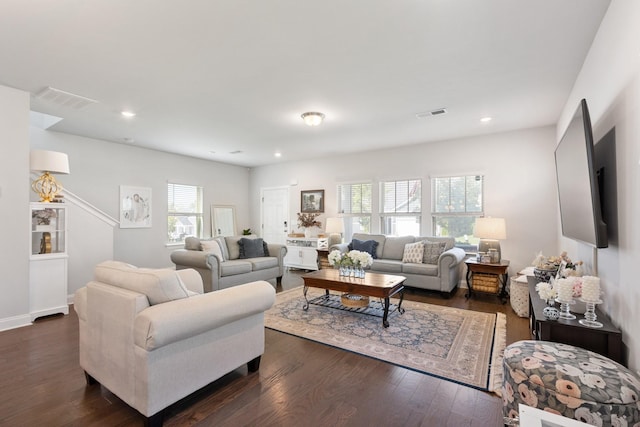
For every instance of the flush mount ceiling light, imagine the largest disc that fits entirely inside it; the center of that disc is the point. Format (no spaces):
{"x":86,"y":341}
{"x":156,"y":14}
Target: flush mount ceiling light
{"x":312,"y":118}
{"x":485,"y":119}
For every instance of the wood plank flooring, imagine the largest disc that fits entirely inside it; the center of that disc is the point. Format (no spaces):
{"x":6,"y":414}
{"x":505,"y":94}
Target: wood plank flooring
{"x":299,"y":383}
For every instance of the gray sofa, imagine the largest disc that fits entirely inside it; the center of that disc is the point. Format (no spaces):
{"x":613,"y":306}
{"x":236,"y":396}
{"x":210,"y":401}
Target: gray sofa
{"x":442,"y":276}
{"x":219,"y":261}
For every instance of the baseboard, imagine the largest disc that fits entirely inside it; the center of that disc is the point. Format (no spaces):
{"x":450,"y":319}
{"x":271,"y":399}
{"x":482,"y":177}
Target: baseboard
{"x":15,"y":322}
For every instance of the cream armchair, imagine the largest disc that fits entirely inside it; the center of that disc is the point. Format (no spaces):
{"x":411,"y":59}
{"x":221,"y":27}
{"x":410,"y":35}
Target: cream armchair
{"x":153,"y":337}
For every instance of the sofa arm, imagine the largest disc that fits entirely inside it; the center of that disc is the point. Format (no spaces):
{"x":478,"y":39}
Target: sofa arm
{"x":173,"y":321}
{"x":342,"y":247}
{"x":191,"y":280}
{"x":451,"y":258}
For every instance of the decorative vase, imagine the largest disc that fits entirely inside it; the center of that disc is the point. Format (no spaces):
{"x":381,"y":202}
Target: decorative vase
{"x":308,"y":233}
{"x":544,"y":275}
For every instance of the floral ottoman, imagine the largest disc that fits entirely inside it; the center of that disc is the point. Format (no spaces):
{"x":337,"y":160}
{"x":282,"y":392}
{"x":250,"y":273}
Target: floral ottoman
{"x":569,"y":381}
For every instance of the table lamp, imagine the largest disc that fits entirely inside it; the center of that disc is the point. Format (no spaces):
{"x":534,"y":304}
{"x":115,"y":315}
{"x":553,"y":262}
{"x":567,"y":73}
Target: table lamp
{"x":335,"y":228}
{"x":49,"y":162}
{"x":490,"y":231}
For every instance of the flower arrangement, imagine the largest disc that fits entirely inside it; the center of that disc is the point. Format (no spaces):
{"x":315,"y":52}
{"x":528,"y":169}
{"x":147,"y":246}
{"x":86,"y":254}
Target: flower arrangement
{"x":546,"y":291}
{"x":306,"y":220}
{"x":352,"y":258}
{"x":554,"y":262}
{"x":43,"y":217}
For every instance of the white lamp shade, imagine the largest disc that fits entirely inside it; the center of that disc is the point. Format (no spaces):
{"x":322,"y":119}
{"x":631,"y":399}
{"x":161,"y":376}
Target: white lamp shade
{"x":49,"y":161}
{"x":334,"y":225}
{"x":490,"y":228}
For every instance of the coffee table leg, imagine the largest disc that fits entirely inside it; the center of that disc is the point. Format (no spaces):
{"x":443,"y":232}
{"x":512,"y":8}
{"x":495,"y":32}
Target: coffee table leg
{"x":305,"y":307}
{"x":400,"y":309}
{"x":385,"y":322}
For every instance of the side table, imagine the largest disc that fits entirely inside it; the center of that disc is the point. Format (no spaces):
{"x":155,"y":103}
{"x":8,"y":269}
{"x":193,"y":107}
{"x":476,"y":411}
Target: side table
{"x":487,"y":278}
{"x":323,"y":259}
{"x":606,"y":340}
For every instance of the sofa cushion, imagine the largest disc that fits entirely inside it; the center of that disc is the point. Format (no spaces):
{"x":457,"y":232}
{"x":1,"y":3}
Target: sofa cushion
{"x":192,"y":243}
{"x":387,"y":265}
{"x":394,"y":247}
{"x":413,"y":252}
{"x":432,"y":251}
{"x":422,"y":269}
{"x":377,"y":237}
{"x":369,"y":246}
{"x":251,"y":248}
{"x":263,"y":263}
{"x":159,"y":285}
{"x":212,"y":246}
{"x":233,"y":267}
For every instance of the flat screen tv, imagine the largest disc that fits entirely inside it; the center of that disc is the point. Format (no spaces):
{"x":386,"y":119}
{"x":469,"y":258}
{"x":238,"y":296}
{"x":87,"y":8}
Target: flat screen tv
{"x":578,"y":182}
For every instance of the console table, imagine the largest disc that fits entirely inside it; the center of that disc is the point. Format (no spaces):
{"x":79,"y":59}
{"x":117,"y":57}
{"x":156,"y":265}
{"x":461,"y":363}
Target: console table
{"x":606,"y":340}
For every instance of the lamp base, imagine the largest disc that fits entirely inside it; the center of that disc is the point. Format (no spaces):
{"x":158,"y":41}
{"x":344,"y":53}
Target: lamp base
{"x":486,"y":244}
{"x":47,"y":187}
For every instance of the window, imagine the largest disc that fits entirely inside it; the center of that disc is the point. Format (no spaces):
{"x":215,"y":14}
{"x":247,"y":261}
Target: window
{"x":354,"y":203}
{"x":401,"y":207}
{"x":184,"y":216}
{"x":457,"y":202}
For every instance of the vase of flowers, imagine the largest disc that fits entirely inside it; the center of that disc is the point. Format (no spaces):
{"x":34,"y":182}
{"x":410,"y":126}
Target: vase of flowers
{"x":308,"y":221}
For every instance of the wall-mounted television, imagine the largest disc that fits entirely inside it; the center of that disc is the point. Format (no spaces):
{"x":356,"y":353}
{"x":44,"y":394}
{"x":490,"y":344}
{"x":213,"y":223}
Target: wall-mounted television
{"x":579,"y":182}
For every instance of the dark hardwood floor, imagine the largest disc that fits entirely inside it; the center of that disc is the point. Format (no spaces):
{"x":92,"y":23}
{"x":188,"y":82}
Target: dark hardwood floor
{"x":299,"y":383}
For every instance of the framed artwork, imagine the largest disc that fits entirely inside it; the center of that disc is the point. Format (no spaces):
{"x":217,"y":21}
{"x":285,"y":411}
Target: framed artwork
{"x":135,"y":207}
{"x":312,"y":201}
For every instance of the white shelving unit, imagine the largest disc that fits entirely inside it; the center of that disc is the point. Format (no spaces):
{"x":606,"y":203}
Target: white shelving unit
{"x":48,"y":260}
{"x":302,"y":252}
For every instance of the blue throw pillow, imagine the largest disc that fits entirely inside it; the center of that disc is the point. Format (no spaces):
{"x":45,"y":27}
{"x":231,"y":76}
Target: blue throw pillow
{"x":364,"y":246}
{"x":251,"y":248}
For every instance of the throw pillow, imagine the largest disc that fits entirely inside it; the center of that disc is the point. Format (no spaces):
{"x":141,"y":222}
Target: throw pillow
{"x":212,"y":246}
{"x":192,"y":243}
{"x":251,"y":248}
{"x":432,"y":251}
{"x":413,"y":252}
{"x":369,"y":246}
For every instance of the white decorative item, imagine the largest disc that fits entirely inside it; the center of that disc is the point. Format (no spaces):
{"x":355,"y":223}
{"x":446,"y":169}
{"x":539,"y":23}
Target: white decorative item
{"x":565,"y":289}
{"x":135,"y":207}
{"x":590,"y":289}
{"x":590,"y":315}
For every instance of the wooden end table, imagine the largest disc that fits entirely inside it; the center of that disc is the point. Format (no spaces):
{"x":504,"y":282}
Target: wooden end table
{"x":499,"y":270}
{"x":376,"y":285}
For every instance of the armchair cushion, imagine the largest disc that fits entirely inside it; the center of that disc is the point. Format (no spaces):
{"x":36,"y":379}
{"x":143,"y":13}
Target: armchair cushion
{"x":369,"y":246}
{"x":159,"y":285}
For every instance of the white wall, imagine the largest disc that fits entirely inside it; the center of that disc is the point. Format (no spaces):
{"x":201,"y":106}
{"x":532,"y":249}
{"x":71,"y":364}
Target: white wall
{"x":519,"y":182}
{"x":610,"y":82}
{"x":14,"y":208}
{"x":98,"y":168}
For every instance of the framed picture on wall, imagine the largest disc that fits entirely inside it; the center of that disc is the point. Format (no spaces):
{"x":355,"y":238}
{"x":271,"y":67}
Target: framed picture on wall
{"x":135,"y":207}
{"x":312,"y":201}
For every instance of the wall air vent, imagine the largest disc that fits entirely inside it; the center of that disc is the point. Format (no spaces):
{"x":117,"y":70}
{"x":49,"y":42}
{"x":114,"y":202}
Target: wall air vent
{"x":64,"y":99}
{"x":437,"y":112}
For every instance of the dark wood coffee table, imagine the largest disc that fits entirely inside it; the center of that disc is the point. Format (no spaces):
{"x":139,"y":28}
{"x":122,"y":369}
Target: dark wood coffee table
{"x":375,"y":285}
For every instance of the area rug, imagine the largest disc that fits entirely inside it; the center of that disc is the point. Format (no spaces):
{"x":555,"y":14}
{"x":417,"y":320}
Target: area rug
{"x":458,"y":345}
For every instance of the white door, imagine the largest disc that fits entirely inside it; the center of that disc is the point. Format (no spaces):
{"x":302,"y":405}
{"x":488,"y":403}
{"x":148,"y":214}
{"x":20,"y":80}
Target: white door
{"x":275,"y":214}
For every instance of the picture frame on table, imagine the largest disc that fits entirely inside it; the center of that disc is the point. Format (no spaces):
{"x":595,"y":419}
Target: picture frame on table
{"x":312,"y":201}
{"x":135,"y":207}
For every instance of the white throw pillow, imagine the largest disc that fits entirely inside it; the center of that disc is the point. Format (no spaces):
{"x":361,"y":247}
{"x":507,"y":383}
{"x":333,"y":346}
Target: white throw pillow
{"x":413,"y":253}
{"x":212,"y":246}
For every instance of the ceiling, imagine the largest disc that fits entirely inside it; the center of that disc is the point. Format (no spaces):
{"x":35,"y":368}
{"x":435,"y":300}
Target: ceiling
{"x":227,"y":80}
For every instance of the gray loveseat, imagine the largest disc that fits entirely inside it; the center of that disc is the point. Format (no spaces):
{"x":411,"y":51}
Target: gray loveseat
{"x":221,"y":264}
{"x":444,"y":275}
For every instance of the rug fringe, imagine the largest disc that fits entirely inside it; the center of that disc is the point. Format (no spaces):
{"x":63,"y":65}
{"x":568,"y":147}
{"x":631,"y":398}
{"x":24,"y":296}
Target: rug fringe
{"x":499,"y":344}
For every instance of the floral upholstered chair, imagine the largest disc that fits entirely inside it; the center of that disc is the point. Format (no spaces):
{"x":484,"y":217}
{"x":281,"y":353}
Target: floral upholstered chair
{"x":571,"y":382}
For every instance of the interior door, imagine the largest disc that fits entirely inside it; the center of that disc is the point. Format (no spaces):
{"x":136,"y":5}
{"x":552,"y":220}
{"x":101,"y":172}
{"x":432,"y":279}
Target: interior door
{"x":275,"y":214}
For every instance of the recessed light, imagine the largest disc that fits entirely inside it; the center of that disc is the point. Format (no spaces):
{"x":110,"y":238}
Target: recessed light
{"x":128,"y":114}
{"x":485,"y":119}
{"x":277,"y":154}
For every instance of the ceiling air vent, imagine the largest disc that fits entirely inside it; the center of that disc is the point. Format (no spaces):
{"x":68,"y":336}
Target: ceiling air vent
{"x":64,"y":99}
{"x":235,"y":152}
{"x":437,"y":112}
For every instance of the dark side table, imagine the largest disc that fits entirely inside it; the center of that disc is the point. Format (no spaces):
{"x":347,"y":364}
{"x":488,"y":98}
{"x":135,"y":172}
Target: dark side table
{"x":606,"y":340}
{"x":487,"y":278}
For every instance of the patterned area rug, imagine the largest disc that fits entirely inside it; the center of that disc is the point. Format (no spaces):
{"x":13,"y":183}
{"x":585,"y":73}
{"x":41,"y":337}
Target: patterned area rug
{"x":458,"y":345}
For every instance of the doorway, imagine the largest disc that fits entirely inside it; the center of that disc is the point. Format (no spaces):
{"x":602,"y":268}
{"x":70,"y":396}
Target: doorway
{"x":274,"y":213}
